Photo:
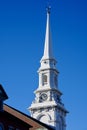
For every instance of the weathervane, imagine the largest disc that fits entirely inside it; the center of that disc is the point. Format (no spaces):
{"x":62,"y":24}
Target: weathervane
{"x":48,"y":9}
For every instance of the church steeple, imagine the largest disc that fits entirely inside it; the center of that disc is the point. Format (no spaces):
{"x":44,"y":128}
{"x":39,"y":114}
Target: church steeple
{"x":48,"y":53}
{"x":47,"y":61}
{"x":47,"y":106}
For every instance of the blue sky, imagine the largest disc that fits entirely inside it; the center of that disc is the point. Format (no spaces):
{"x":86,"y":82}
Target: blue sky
{"x":22,"y":32}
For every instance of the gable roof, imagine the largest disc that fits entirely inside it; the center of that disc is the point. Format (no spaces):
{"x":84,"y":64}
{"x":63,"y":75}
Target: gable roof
{"x":25,"y":118}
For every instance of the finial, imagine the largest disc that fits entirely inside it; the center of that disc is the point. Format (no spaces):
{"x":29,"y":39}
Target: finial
{"x":48,"y":9}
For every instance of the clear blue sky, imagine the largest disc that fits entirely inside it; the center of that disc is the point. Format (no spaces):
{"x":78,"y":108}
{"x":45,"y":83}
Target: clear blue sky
{"x":22,"y":31}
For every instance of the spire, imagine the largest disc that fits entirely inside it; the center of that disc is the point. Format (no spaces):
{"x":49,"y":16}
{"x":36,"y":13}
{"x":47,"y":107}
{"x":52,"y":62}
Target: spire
{"x":48,"y":45}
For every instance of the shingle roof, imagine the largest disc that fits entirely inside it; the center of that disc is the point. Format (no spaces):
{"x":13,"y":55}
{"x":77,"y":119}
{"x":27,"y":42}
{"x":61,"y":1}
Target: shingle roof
{"x":27,"y":119}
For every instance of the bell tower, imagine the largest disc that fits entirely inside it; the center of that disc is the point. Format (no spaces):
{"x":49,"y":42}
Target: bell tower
{"x":47,"y":106}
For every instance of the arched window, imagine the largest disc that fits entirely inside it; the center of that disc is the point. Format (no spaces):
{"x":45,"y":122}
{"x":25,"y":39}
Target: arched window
{"x":44,"y":79}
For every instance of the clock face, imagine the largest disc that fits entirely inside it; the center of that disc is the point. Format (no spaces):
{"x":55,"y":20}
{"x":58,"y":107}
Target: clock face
{"x":43,"y":97}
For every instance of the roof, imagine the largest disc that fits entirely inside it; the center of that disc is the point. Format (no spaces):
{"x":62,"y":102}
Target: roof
{"x":25,"y":118}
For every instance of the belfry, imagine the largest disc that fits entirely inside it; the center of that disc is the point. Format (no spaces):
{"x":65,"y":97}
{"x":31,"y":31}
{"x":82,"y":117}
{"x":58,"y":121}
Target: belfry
{"x":47,"y":106}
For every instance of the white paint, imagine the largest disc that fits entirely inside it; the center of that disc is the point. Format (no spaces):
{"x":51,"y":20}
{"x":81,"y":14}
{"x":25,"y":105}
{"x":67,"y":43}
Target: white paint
{"x":50,"y":110}
{"x":48,"y":45}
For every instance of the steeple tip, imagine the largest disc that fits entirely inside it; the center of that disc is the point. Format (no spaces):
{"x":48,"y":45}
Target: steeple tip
{"x":48,"y":53}
{"x":48,"y":9}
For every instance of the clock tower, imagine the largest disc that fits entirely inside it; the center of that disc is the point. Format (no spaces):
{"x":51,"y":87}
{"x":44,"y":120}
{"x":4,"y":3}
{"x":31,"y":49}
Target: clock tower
{"x":47,"y":106}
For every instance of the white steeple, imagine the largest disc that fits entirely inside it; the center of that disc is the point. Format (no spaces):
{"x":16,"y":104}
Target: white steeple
{"x":48,"y":53}
{"x":47,"y":106}
{"x":48,"y":61}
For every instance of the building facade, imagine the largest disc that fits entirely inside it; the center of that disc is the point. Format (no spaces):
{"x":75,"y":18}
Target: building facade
{"x":47,"y":106}
{"x":12,"y":119}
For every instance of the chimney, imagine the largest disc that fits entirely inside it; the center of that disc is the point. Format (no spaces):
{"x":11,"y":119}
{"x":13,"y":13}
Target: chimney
{"x":3,"y":97}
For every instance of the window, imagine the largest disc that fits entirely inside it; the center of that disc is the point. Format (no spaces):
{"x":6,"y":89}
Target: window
{"x":44,"y":79}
